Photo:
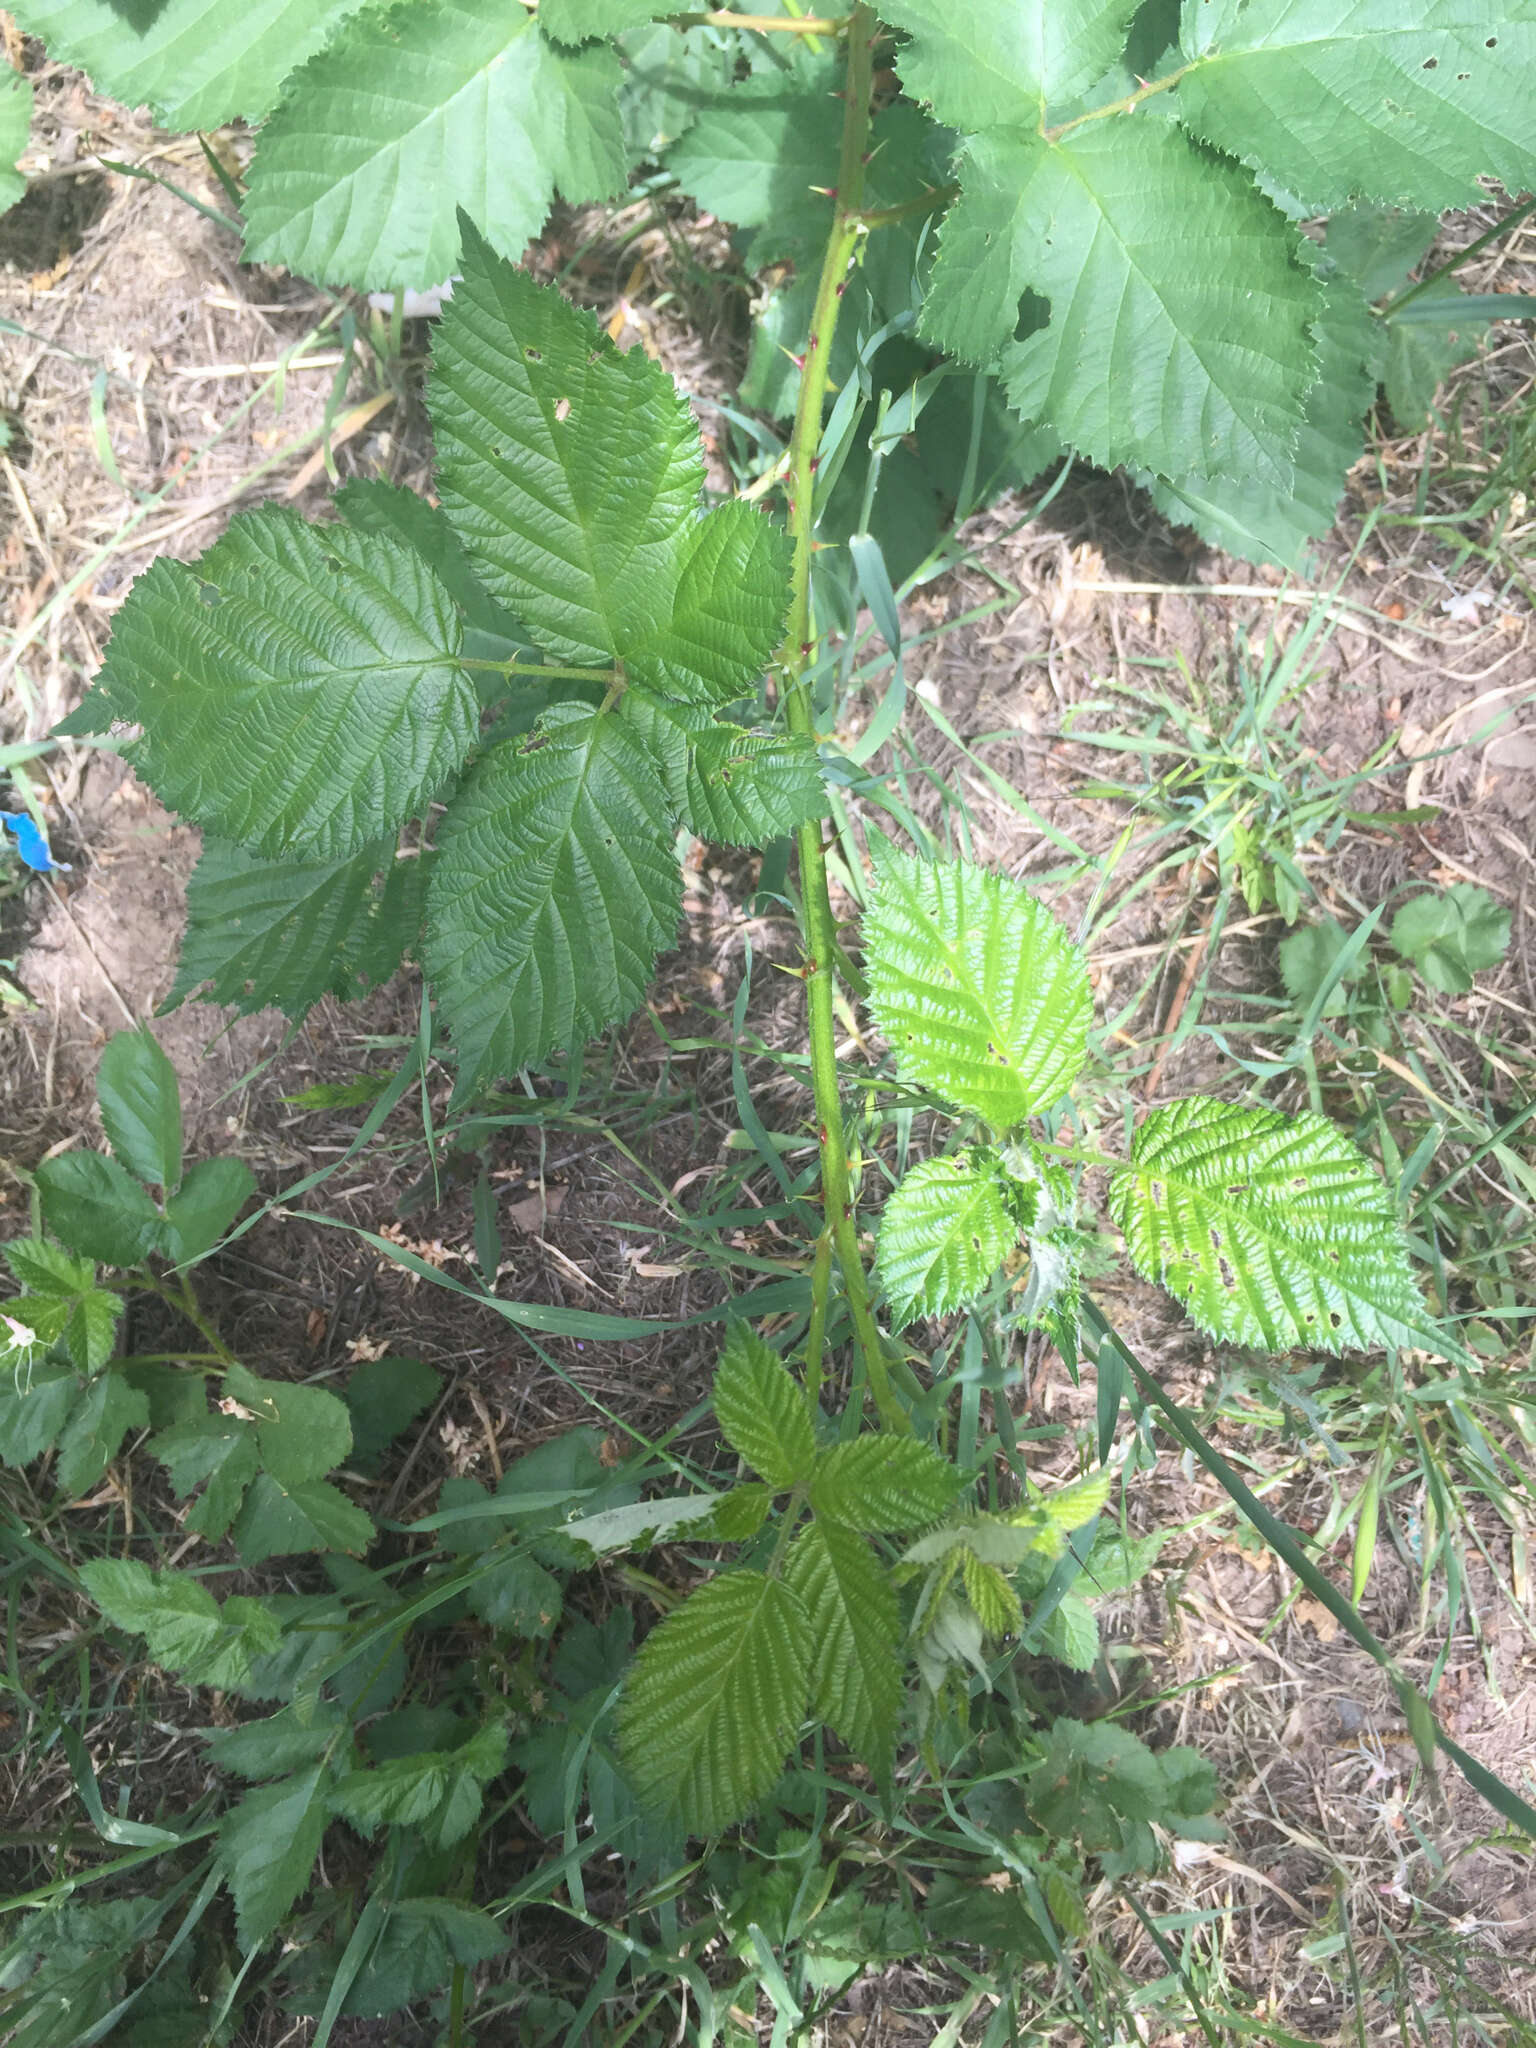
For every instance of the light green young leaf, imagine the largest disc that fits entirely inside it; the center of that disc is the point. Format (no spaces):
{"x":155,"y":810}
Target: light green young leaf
{"x":578,"y":21}
{"x":571,"y":472}
{"x":95,"y":1432}
{"x":86,"y":1325}
{"x":288,"y":932}
{"x":197,"y":63}
{"x":1451,"y":935}
{"x":267,"y":1850}
{"x":944,"y":1231}
{"x":45,"y":1268}
{"x":414,"y":112}
{"x":140,"y":1100}
{"x":301,"y":1432}
{"x":298,"y":688}
{"x":883,"y":1483}
{"x":277,"y":1520}
{"x":856,"y":1665}
{"x":203,"y":1208}
{"x":184,"y":1628}
{"x":1071,"y":1634}
{"x":979,"y":992}
{"x":1178,"y":337}
{"x":555,"y":888}
{"x":1001,"y":63}
{"x":98,"y":1208}
{"x":641,"y":1522}
{"x":991,"y":1593}
{"x":1405,"y":104}
{"x":15,"y":127}
{"x":727,"y":610}
{"x":1271,"y":1228}
{"x":715,"y":1698}
{"x":762,"y":1412}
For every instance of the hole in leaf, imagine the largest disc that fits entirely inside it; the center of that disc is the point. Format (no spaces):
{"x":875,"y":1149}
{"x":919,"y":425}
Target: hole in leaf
{"x":1335,"y":1318}
{"x":1492,"y":43}
{"x":1238,"y":1188}
{"x":533,"y":355}
{"x":1157,"y":1194}
{"x":563,"y":409}
{"x":1431,"y":63}
{"x":1216,"y":1240}
{"x":1228,"y":1277}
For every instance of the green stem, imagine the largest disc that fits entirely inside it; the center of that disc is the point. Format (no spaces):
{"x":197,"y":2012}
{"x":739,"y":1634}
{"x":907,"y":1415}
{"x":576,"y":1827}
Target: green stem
{"x":1128,"y":105}
{"x":819,"y":926}
{"x":816,"y":1330}
{"x":185,"y":1300}
{"x":544,"y":672}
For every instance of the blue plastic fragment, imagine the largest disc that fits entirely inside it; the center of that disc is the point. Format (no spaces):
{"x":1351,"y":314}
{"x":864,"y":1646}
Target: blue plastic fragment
{"x":30,"y":843}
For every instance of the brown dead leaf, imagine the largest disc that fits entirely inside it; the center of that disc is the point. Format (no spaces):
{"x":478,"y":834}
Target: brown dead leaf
{"x":1310,"y":1613}
{"x":316,"y":1323}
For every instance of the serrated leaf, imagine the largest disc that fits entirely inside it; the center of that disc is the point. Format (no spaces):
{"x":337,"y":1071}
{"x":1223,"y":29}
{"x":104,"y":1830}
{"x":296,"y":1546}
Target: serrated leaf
{"x":570,"y":471}
{"x":1267,"y":523}
{"x":1377,"y":246}
{"x":384,"y":1396}
{"x":298,"y":687}
{"x":267,"y":1850}
{"x":437,"y":1794}
{"x":1308,"y":957}
{"x":301,"y":1432}
{"x":727,"y":610}
{"x":555,"y":888}
{"x":88,"y":1328}
{"x":883,"y":1483}
{"x":518,"y":1596}
{"x":98,"y":1208}
{"x":1408,"y":105}
{"x":764,"y":155}
{"x":856,"y":1666}
{"x":762,"y":1412}
{"x":988,"y":1540}
{"x":979,"y":992}
{"x":991,"y":1594}
{"x":1178,"y":338}
{"x":203,"y":1208}
{"x":288,"y":932}
{"x":279,"y":1744}
{"x":277,"y":1521}
{"x":15,"y":127}
{"x":44,"y":1268}
{"x":739,"y":1514}
{"x":414,"y":112}
{"x":944,"y":1231}
{"x":577,"y":21}
{"x":35,"y":1403}
{"x":421,"y":1942}
{"x":140,"y":1100}
{"x":746,"y":788}
{"x":1071,"y":1634}
{"x":184,"y":1628}
{"x":715,"y":1698}
{"x":1451,"y":935}
{"x":217,"y":1449}
{"x":92,"y":1437}
{"x":1001,"y":63}
{"x":373,"y":506}
{"x":197,"y":63}
{"x":1271,"y":1228}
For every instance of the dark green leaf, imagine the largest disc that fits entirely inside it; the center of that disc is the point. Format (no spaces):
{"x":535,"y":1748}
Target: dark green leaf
{"x":203,"y":1208}
{"x":140,"y":1102}
{"x":108,"y":1409}
{"x":384,"y":1397}
{"x":98,"y":1208}
{"x":267,"y":1850}
{"x":276,"y":1521}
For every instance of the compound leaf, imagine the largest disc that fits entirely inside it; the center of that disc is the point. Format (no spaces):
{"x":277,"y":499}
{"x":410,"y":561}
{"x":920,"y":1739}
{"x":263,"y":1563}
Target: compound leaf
{"x":437,"y":1793}
{"x":267,"y":1849}
{"x":570,"y":471}
{"x":944,"y":1231}
{"x":219,"y":1449}
{"x":185,"y":1630}
{"x":1001,"y":63}
{"x":1179,"y":308}
{"x":1451,"y":935}
{"x":140,"y":1102}
{"x":297,"y":687}
{"x":979,"y":992}
{"x":762,"y":1411}
{"x":856,"y":1665}
{"x":98,"y":1208}
{"x":416,"y":110}
{"x":714,"y":1700}
{"x":288,"y":932}
{"x":197,"y":63}
{"x":302,"y":1432}
{"x":1334,"y":102}
{"x":554,"y":889}
{"x":883,"y":1483}
{"x":1271,"y":1228}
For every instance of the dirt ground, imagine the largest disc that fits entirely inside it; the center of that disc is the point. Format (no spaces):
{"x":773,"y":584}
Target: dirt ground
{"x":144,"y":409}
